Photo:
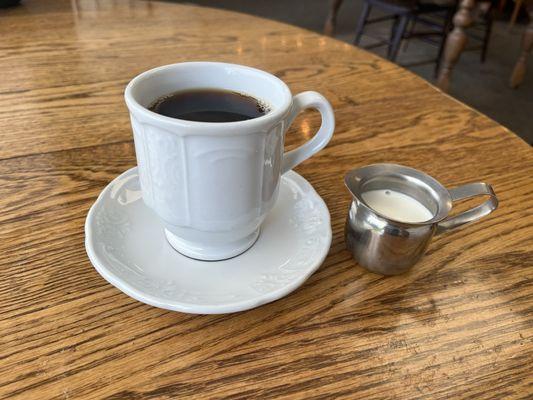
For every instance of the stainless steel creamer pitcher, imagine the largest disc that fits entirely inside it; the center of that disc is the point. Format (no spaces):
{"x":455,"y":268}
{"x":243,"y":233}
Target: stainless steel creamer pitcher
{"x":386,"y":230}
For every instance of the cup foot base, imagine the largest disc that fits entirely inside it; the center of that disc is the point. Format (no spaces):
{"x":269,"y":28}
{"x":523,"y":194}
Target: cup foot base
{"x":209,"y":252}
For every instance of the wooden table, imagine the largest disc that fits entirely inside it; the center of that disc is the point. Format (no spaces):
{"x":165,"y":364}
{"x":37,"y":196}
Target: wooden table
{"x":459,"y":325}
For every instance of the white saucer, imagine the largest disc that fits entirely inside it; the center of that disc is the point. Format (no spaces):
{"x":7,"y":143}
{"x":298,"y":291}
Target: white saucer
{"x":126,"y":244}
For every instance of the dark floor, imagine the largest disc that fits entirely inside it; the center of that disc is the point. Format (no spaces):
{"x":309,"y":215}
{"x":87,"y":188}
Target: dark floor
{"x":481,"y":86}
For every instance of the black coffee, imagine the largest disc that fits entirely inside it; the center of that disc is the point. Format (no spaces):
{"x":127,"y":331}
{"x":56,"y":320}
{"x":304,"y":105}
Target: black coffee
{"x":209,"y":105}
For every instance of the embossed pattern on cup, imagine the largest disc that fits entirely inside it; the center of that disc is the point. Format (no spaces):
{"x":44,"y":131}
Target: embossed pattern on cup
{"x":179,"y":172}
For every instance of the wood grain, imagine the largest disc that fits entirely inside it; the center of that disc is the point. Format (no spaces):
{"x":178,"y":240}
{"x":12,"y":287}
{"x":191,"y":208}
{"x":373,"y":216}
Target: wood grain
{"x":459,"y":325}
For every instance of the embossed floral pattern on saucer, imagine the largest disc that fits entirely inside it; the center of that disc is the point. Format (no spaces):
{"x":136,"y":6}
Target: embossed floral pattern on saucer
{"x":126,"y":244}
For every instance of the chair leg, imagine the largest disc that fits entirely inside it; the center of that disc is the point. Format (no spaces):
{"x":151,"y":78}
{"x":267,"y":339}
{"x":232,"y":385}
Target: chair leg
{"x":411,"y":30}
{"x":486,"y":37}
{"x":519,"y":70}
{"x":516,"y":10}
{"x":393,"y":29}
{"x":361,"y":23}
{"x":445,"y":30}
{"x":398,"y":35}
{"x":331,"y":20}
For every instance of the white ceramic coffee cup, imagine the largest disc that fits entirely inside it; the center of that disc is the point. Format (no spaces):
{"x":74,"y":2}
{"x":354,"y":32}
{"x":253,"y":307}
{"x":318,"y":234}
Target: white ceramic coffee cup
{"x":212,"y":184}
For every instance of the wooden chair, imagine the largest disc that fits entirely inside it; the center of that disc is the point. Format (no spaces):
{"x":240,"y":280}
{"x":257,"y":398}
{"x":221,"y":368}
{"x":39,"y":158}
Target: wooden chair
{"x":434,"y":15}
{"x":403,"y":12}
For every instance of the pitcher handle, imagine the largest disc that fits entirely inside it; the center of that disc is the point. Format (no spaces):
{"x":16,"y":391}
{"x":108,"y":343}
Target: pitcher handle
{"x":464,"y":192}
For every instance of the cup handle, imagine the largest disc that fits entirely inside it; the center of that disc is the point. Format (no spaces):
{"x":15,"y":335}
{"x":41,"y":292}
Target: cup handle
{"x":465,"y":192}
{"x":301,"y":102}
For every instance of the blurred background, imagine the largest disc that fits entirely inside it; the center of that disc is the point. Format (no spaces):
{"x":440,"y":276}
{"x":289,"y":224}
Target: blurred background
{"x":483,"y":85}
{"x":412,"y":34}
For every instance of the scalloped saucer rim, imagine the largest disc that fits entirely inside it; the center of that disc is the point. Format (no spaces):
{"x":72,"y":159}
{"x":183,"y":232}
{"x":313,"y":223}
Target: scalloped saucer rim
{"x":125,"y":243}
